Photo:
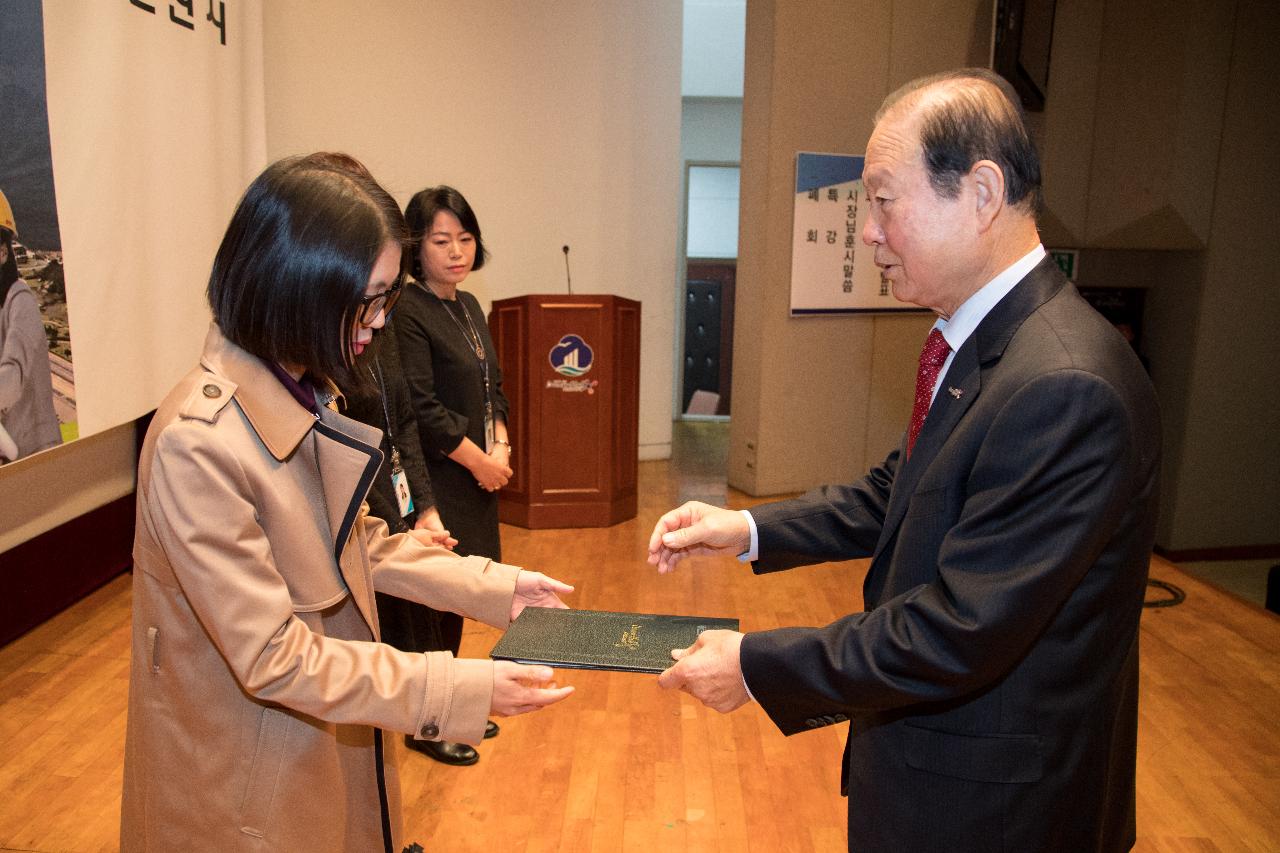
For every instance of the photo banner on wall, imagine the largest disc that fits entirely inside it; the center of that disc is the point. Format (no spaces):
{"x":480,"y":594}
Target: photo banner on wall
{"x":832,"y":270}
{"x":37,"y":382}
{"x":156,"y":122}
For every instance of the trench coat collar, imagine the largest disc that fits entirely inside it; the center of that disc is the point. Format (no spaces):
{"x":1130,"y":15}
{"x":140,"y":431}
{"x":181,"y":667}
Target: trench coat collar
{"x":346,"y":450}
{"x":280,"y":421}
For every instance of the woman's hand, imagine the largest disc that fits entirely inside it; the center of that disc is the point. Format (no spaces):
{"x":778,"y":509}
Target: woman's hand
{"x":534,"y":589}
{"x":501,"y":452}
{"x":429,"y":522}
{"x":491,"y":473}
{"x":520,"y":688}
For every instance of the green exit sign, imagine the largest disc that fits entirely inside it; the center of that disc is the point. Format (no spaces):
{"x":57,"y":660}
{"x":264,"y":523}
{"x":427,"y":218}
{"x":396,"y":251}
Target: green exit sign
{"x":1068,"y":260}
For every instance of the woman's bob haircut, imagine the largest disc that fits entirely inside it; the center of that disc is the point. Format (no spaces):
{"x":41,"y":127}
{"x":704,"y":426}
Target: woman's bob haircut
{"x":421,"y":213}
{"x":296,"y":259}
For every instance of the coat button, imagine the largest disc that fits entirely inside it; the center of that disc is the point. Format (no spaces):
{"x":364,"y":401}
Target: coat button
{"x":212,"y":391}
{"x":811,"y":723}
{"x":430,"y":730}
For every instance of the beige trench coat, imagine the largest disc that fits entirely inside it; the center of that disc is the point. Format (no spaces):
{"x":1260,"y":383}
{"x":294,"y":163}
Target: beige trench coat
{"x":257,"y":689}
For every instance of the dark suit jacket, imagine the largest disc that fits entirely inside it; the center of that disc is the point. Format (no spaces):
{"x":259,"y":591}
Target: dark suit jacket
{"x":992,"y":681}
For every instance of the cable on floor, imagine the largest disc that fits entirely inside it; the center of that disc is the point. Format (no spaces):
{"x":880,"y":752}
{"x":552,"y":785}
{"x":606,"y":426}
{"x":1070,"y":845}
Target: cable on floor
{"x":1176,"y":595}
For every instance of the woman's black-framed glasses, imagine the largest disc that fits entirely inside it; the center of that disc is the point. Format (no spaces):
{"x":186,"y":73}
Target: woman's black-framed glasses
{"x":384,"y":302}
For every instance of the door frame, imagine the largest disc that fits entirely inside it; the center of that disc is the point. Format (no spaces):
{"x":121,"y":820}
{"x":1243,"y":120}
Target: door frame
{"x":682,"y":271}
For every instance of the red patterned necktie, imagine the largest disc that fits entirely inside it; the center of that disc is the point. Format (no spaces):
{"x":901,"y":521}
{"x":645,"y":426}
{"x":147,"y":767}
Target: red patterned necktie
{"x":932,"y":357}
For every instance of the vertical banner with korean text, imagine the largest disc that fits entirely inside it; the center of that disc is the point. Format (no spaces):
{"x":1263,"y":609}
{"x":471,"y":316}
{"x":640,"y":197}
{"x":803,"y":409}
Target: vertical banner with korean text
{"x":832,"y":271}
{"x":156,"y":124}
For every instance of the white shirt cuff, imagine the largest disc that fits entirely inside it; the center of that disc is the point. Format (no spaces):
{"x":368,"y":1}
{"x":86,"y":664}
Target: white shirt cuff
{"x":749,"y":556}
{"x":753,"y":553}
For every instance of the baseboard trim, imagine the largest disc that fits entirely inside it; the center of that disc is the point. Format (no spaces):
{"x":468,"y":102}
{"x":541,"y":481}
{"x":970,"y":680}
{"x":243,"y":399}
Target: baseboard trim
{"x":45,"y":575}
{"x":1231,"y":552}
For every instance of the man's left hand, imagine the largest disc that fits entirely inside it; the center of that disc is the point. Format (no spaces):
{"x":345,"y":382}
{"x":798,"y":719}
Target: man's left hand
{"x":710,"y":671}
{"x":534,"y":589}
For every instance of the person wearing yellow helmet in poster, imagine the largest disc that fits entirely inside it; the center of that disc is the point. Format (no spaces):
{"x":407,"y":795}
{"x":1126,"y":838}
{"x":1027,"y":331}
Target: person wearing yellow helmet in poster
{"x":27,"y":419}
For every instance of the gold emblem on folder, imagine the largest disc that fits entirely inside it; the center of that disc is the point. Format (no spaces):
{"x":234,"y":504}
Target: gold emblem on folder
{"x":630,"y":639}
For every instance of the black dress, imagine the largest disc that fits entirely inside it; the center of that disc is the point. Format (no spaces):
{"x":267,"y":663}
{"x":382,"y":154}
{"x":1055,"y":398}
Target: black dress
{"x":384,"y":404}
{"x":446,"y":382}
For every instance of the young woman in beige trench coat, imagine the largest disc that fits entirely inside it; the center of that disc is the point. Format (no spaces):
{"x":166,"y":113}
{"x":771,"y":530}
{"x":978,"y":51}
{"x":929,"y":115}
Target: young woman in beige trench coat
{"x":258,"y":692}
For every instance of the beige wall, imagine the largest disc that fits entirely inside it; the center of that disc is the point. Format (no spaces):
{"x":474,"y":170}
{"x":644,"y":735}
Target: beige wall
{"x":819,"y":399}
{"x":1129,"y":134}
{"x":1160,"y":134}
{"x":560,"y":122}
{"x":1217,"y":314}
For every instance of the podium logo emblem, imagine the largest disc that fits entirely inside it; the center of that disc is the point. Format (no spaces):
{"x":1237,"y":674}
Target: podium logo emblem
{"x":571,"y":356}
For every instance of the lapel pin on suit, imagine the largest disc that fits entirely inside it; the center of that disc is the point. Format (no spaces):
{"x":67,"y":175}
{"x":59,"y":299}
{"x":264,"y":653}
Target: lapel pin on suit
{"x":954,"y":392}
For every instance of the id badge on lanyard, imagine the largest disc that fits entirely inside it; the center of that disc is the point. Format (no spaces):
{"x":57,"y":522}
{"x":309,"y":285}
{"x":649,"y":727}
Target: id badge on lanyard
{"x":400,"y":481}
{"x":489,"y":435}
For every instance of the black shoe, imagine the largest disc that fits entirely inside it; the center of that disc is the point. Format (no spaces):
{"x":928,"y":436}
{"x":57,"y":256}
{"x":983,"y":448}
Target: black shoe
{"x":457,"y":754}
{"x":491,"y":729}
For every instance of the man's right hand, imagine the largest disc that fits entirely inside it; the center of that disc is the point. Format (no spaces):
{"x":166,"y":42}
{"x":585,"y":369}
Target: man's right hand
{"x":694,"y":529}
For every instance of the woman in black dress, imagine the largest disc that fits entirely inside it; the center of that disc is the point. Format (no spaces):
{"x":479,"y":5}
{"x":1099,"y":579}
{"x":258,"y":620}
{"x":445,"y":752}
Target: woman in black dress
{"x":455,"y":388}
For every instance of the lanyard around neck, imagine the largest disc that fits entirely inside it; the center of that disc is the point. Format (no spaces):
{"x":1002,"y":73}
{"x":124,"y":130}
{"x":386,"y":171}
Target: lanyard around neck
{"x":474,"y":343}
{"x":472,"y":336}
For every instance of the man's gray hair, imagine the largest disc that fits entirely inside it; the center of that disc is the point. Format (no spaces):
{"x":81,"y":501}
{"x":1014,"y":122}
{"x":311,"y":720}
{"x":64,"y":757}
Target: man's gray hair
{"x":967,"y":115}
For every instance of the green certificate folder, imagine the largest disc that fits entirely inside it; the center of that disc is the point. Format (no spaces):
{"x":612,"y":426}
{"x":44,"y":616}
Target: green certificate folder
{"x":601,"y":639}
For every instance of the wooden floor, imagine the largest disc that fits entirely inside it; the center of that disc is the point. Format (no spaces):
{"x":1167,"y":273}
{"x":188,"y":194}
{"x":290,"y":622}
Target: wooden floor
{"x":623,"y":765}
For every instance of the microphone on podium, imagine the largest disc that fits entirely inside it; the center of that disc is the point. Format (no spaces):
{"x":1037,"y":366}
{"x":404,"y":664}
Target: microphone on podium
{"x":568,"y":279}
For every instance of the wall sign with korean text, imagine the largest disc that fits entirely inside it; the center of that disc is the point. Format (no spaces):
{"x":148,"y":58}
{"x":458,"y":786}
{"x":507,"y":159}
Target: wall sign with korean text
{"x":832,"y":271}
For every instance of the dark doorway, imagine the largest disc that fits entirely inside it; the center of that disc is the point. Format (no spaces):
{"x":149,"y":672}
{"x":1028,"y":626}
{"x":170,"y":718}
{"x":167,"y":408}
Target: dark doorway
{"x":708,"y":337}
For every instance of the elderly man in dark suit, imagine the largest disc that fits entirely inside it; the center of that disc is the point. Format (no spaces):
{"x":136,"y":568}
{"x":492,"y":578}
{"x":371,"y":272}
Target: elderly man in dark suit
{"x":991,"y":683}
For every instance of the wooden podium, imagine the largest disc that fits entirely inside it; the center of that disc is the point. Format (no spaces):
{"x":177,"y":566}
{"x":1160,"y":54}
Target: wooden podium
{"x":571,"y":371}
